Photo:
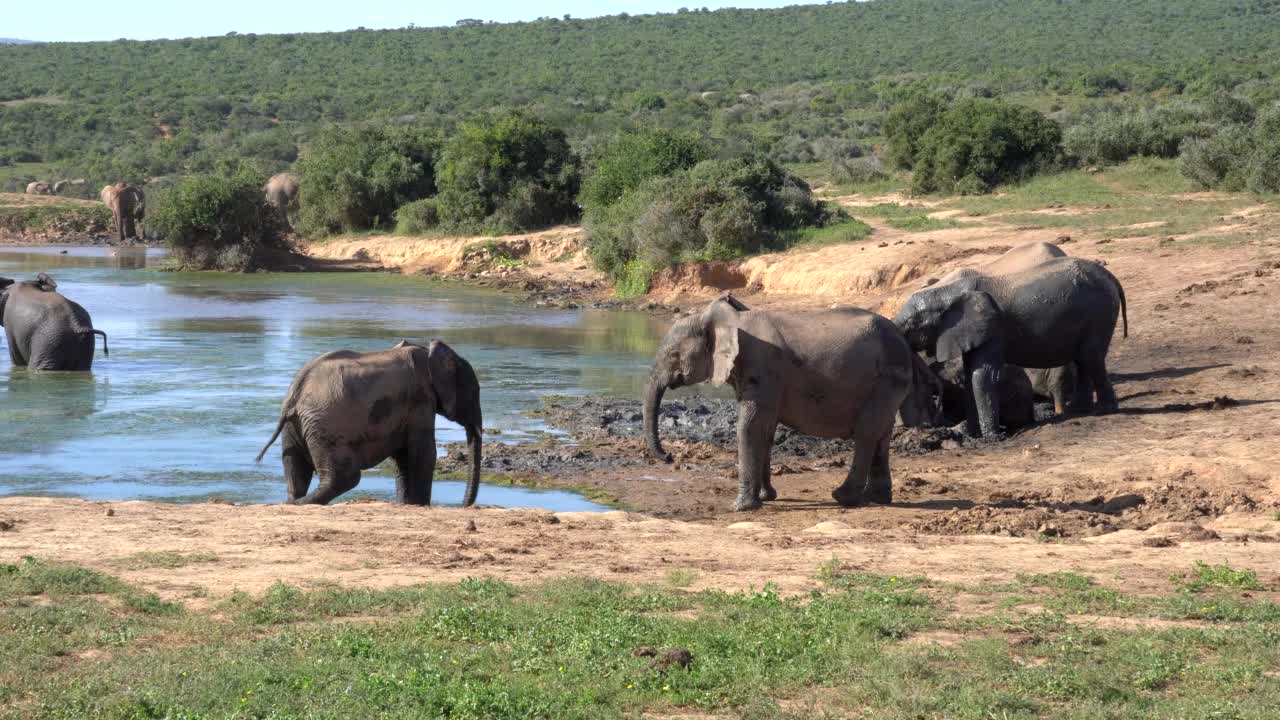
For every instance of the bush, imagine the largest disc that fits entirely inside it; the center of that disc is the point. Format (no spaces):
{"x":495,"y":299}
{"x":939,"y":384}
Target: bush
{"x":1117,"y":134}
{"x":633,"y":157}
{"x":1237,"y":157}
{"x":906,"y":125}
{"x":717,"y":210}
{"x":856,"y":171}
{"x":356,"y":178}
{"x":507,"y":173}
{"x":216,"y":223}
{"x":418,"y":217}
{"x":980,"y":143}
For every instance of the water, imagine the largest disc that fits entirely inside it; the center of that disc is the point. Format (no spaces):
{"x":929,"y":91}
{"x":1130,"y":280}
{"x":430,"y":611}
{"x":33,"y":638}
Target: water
{"x":200,"y":363}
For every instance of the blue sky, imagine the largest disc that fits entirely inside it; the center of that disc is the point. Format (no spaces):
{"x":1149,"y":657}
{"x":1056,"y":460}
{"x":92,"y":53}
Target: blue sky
{"x":77,"y":20}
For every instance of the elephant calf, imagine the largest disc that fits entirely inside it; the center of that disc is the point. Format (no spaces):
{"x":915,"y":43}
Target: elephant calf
{"x":832,"y":374}
{"x":348,"y":411}
{"x":44,"y":330}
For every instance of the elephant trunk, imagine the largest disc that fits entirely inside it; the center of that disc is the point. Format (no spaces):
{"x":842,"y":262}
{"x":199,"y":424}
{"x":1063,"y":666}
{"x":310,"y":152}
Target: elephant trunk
{"x":652,"y":403}
{"x":473,"y":480}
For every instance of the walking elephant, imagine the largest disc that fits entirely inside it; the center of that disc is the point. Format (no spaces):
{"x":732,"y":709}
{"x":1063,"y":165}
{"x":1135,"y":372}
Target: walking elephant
{"x":1059,"y":311}
{"x":832,"y":374}
{"x":43,"y":329}
{"x":282,"y":194}
{"x":128,"y":207}
{"x":348,"y":411}
{"x":39,"y":187}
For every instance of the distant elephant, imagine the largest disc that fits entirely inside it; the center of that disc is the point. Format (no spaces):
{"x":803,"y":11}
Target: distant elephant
{"x":282,"y":194}
{"x":44,"y":330}
{"x":1016,"y":398}
{"x":1056,"y":312}
{"x":832,"y":374}
{"x":348,"y":411}
{"x":128,"y":207}
{"x":39,"y":187}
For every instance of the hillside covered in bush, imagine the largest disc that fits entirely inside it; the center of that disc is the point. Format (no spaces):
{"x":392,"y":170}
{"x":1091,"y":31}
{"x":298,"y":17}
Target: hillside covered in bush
{"x":802,"y":83}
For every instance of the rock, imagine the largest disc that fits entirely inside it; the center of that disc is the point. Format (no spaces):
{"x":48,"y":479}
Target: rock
{"x":829,"y":526}
{"x":6,"y":524}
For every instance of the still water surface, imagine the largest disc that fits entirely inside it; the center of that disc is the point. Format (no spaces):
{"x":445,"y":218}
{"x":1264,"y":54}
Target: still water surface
{"x":201,"y":361}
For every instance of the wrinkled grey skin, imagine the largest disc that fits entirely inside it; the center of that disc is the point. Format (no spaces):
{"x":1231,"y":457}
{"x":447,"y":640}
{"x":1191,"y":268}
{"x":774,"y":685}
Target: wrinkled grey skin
{"x":922,"y":407}
{"x":128,"y":207}
{"x":281,"y":192}
{"x":831,"y":374}
{"x":43,"y":329}
{"x":348,"y":411}
{"x":39,"y":187}
{"x":1056,"y":384}
{"x":1017,"y":401}
{"x":1060,"y":311}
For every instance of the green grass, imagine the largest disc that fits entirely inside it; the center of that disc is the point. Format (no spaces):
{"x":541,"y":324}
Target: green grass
{"x":74,"y":646}
{"x":166,"y":559}
{"x":59,"y":218}
{"x":844,"y":231}
{"x":1204,"y":576}
{"x":912,"y":218}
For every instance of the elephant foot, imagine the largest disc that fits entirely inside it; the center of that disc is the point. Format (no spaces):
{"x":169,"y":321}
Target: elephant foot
{"x":880,"y":497}
{"x":1108,"y":407}
{"x":846,"y":497}
{"x":743,"y":504}
{"x":768,"y":494}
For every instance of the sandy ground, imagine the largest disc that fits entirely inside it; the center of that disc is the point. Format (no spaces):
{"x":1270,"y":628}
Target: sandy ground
{"x":1186,"y":471}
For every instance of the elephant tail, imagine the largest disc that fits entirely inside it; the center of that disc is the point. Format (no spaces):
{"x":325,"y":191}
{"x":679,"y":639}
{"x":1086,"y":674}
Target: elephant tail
{"x":1124,"y":310}
{"x":272,"y":441}
{"x":105,"y":350}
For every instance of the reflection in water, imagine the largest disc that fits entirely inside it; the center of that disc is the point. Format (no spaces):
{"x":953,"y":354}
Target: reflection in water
{"x":129,"y":258}
{"x":200,"y":363}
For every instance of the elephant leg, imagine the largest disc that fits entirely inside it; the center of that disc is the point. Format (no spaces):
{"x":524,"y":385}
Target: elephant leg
{"x":756,"y":423}
{"x":872,"y":429}
{"x":1057,"y":378}
{"x":337,"y":475}
{"x":15,"y":357}
{"x":1095,"y":369}
{"x":880,"y":482}
{"x":416,"y":467}
{"x":298,"y":468}
{"x":766,"y":491}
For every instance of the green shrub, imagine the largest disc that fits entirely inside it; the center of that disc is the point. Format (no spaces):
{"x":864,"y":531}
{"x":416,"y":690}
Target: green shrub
{"x":507,"y":173}
{"x":633,"y":157}
{"x":906,"y":125}
{"x":418,"y":217}
{"x":858,"y":170}
{"x":979,"y":143}
{"x":717,"y":210}
{"x":214,"y":222}
{"x":1119,"y":133}
{"x":355,"y":178}
{"x":1237,"y":157}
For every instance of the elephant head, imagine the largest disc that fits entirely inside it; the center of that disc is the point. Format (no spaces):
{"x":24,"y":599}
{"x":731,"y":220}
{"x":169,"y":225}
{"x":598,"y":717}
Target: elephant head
{"x":457,"y":391}
{"x":922,"y":406}
{"x":948,"y":321}
{"x":695,"y":349}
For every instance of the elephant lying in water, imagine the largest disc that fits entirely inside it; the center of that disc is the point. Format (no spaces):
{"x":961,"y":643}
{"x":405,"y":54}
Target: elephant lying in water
{"x":348,"y":411}
{"x":44,"y":330}
{"x":831,"y":374}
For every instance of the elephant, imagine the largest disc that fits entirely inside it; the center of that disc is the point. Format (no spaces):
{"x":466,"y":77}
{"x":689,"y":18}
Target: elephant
{"x":128,"y":206}
{"x":922,"y":406}
{"x":39,"y":187}
{"x":1058,"y":311}
{"x":1022,"y":257}
{"x":1056,"y":384}
{"x":835,"y":374}
{"x":1016,"y":398}
{"x":348,"y":411}
{"x":282,"y":194}
{"x":44,"y":330}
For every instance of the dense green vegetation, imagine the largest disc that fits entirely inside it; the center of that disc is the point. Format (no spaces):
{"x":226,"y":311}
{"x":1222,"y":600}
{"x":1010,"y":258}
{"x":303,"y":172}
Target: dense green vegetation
{"x":213,"y":222}
{"x":78,"y":643}
{"x":803,"y":83}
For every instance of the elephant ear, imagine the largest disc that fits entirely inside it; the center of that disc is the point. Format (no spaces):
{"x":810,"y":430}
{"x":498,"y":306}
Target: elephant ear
{"x":444,"y":377}
{"x":972,"y":320}
{"x":724,"y":354}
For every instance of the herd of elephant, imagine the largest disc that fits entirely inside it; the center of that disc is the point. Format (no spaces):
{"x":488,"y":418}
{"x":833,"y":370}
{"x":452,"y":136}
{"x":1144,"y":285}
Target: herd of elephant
{"x":128,"y":202}
{"x":841,"y":373}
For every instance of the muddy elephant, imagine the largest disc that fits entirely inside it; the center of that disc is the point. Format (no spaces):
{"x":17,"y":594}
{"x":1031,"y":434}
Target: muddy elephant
{"x":39,"y":187}
{"x":1015,"y":396}
{"x":1059,"y":311}
{"x":128,"y":207}
{"x":43,"y":329}
{"x":832,"y":374}
{"x":1054,"y":384}
{"x":282,"y":194}
{"x":348,"y":411}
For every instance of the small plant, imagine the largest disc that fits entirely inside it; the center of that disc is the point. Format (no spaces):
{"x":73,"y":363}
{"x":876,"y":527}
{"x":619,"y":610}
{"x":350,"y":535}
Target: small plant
{"x":166,"y":559}
{"x":681,"y":577}
{"x":1205,"y":576}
